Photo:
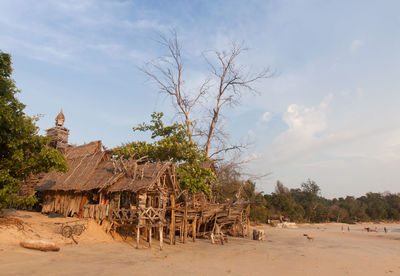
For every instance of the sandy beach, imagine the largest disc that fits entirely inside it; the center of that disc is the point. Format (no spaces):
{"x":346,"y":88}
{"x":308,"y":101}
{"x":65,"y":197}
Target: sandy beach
{"x":285,"y":251}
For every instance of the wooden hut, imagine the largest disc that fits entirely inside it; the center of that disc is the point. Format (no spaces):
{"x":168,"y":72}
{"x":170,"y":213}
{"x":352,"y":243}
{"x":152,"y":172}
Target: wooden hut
{"x":120,"y":191}
{"x":133,"y":193}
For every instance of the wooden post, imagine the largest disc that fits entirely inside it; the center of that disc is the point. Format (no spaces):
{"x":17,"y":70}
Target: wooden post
{"x":149,"y":238}
{"x":248,"y":220}
{"x":198,"y":222}
{"x":137,"y":236}
{"x":172,"y":225}
{"x":248,"y":227}
{"x":194,"y":229}
{"x":185,"y":225}
{"x":241,"y":223}
{"x":146,"y":233}
{"x":161,"y":236}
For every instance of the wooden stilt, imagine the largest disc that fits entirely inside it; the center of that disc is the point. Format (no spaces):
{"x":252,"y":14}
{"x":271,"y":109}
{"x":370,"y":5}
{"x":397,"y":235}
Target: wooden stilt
{"x":194,"y":229}
{"x":198,"y":221}
{"x":161,"y":237}
{"x":247,"y":220}
{"x":149,"y":238}
{"x":185,"y":225}
{"x":146,"y":233}
{"x":241,"y":224}
{"x":172,"y":225}
{"x":137,"y":236}
{"x":248,"y":227}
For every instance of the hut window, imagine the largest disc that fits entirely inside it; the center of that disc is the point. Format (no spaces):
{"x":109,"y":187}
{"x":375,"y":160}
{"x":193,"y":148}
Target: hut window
{"x":133,"y":199}
{"x":125,"y":200}
{"x":94,"y":198}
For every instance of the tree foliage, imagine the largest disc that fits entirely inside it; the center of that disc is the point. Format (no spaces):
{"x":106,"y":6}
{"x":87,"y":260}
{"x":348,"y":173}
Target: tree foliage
{"x":23,"y":152}
{"x":171,"y":143}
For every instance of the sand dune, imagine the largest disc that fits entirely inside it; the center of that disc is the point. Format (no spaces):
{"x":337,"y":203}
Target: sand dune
{"x":284,"y":252}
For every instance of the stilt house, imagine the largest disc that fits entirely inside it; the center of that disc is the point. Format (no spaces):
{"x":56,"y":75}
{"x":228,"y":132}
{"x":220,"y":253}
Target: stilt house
{"x":131,"y":192}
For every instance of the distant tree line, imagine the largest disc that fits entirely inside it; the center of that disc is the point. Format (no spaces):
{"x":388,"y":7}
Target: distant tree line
{"x":305,"y":204}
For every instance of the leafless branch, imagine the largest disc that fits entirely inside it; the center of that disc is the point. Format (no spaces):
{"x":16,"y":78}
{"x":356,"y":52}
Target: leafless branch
{"x":233,"y":80}
{"x":236,"y":147}
{"x":167,"y":73}
{"x":228,"y":82}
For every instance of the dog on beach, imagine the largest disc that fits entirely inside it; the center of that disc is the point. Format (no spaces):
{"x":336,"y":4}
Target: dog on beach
{"x":308,"y":237}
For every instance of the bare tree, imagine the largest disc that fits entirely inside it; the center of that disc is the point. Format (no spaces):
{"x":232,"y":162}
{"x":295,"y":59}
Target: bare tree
{"x":231,"y":81}
{"x":167,"y":72}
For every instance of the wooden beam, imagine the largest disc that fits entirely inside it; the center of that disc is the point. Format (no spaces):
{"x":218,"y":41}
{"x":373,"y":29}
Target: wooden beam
{"x":137,"y":236}
{"x":160,"y":228}
{"x":149,"y":239}
{"x":194,"y":229}
{"x":146,"y":232}
{"x":185,"y":225}
{"x":172,"y":225}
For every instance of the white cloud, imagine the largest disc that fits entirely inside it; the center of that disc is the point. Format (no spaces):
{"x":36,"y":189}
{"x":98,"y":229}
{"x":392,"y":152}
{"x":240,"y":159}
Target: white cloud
{"x":302,"y":136}
{"x":266,"y":117}
{"x":334,"y":153}
{"x":355,"y":45}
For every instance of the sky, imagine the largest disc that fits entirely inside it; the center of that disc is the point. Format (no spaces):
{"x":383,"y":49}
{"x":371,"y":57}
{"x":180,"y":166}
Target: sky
{"x":330,"y":113}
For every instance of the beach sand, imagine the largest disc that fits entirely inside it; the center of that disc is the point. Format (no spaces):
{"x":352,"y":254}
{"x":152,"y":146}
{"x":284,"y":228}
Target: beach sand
{"x":285,"y":251}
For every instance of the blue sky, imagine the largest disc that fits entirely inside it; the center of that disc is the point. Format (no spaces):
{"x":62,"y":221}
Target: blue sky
{"x":331,"y":113}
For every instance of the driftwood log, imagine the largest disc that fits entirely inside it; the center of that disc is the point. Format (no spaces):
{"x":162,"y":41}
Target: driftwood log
{"x":41,"y":245}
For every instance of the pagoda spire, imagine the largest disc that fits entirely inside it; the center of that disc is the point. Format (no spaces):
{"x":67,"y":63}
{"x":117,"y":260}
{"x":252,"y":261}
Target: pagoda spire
{"x":60,"y":119}
{"x":59,"y":134}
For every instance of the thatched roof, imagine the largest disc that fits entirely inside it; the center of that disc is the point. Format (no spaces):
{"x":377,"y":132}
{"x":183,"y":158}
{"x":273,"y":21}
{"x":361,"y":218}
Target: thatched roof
{"x":83,"y":150}
{"x":90,"y":169}
{"x":80,"y":171}
{"x":144,"y":177}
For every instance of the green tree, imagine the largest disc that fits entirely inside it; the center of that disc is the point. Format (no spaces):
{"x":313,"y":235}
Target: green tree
{"x":23,"y":152}
{"x":393,"y":203}
{"x":258,"y":210}
{"x":310,"y":198}
{"x":310,"y":188}
{"x":283,"y":203}
{"x":376,"y":206}
{"x":337,"y":213}
{"x":172,"y":143}
{"x":229,"y":184}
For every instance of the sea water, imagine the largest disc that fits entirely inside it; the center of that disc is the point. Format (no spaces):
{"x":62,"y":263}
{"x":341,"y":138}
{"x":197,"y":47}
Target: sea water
{"x":380,"y":230}
{"x":389,"y":230}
